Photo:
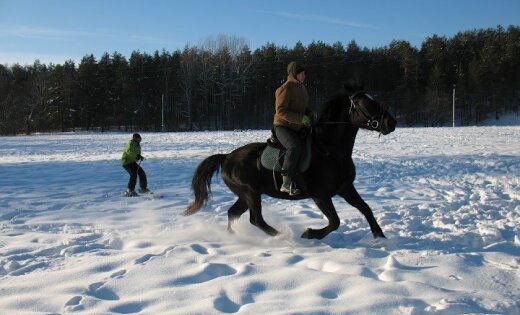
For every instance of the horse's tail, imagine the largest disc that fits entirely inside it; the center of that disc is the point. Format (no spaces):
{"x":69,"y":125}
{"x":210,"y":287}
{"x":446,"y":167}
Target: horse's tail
{"x":201,"y":182}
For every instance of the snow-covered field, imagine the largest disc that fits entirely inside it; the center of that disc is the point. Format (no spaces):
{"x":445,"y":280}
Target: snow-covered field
{"x":448,"y":200}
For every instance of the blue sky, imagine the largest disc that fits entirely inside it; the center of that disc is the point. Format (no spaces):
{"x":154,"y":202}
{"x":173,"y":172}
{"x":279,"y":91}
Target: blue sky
{"x":56,"y":30}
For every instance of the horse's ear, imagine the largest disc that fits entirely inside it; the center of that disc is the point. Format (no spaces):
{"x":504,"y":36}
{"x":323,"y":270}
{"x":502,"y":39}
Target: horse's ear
{"x":351,"y":86}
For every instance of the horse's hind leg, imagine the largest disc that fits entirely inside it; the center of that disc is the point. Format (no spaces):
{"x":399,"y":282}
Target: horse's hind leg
{"x":254,"y":203}
{"x":350,"y":194}
{"x":327,"y":207}
{"x":234,"y":213}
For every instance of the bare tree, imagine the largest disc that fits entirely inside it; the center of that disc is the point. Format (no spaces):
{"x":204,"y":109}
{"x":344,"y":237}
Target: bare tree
{"x":232,"y":65}
{"x":37,"y":100}
{"x":188,"y":75}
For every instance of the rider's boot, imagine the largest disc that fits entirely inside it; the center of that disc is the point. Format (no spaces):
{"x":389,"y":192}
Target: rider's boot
{"x":289,"y":187}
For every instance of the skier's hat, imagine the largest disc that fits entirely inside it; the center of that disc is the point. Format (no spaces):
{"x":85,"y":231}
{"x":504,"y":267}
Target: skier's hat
{"x":136,"y":136}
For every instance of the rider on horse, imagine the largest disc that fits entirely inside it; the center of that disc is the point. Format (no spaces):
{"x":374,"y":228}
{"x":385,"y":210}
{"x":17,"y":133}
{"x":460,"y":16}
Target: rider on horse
{"x":291,"y":115}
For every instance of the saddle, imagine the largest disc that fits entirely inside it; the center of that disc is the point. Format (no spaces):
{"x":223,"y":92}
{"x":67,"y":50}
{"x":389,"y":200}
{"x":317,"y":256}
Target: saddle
{"x":273,"y":155}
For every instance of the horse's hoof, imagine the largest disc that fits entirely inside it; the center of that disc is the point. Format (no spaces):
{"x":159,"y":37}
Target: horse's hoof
{"x":273,"y":233}
{"x":307,"y":234}
{"x":314,"y":234}
{"x":381,"y":235}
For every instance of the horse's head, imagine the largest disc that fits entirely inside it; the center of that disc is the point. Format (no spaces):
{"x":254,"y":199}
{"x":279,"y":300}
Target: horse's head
{"x":366,"y":113}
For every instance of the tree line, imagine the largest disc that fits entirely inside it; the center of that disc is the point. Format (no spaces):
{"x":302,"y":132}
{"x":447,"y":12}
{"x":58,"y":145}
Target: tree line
{"x":221,"y":84}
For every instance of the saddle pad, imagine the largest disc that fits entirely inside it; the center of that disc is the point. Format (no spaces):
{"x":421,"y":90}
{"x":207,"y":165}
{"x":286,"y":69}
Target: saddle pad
{"x":271,"y":160}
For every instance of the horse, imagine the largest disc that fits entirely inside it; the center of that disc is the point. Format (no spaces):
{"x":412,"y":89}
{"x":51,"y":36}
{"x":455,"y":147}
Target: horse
{"x":331,"y":171}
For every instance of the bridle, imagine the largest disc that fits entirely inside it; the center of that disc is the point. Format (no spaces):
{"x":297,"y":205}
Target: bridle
{"x":371,"y":121}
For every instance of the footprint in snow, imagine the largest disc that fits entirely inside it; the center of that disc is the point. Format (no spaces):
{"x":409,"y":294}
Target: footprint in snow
{"x":128,"y":308}
{"x":329,"y":294}
{"x":118,"y":274}
{"x":294,"y":259}
{"x":73,"y":305}
{"x":199,"y":249}
{"x":147,"y":257}
{"x":224,"y":304}
{"x":210,"y":272}
{"x":98,"y":290}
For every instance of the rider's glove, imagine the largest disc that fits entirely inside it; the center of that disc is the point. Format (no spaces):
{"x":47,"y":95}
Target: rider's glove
{"x":306,"y":121}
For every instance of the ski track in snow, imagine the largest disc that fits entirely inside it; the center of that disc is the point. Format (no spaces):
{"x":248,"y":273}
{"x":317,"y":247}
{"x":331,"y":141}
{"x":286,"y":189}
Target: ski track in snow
{"x":447,"y":199}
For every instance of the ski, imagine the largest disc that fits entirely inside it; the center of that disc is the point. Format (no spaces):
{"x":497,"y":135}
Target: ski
{"x":149,"y":195}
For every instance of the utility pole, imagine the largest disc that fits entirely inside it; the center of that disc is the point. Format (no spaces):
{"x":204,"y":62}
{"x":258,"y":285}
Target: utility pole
{"x":453,"y":101}
{"x":162,"y":113}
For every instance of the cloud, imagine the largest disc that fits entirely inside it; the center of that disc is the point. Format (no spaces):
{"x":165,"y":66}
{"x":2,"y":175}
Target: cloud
{"x":25,"y":58}
{"x":24,"y":31}
{"x":323,"y":19}
{"x":54,"y":34}
{"x":145,"y":39}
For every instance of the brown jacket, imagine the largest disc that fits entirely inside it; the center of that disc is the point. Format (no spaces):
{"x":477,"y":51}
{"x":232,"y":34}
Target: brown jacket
{"x":291,"y":104}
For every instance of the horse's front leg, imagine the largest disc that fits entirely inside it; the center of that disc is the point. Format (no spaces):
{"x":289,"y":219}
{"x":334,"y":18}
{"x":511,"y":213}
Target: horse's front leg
{"x":327,"y":207}
{"x":350,"y":194}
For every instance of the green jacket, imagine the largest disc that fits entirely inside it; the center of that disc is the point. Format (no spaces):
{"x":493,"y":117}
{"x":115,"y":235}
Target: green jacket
{"x":132,"y":150}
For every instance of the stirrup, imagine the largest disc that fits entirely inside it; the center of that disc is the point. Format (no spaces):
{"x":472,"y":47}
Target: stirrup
{"x":292,"y":191}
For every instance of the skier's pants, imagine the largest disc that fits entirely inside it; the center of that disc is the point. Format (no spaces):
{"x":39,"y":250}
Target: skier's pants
{"x":134,"y":169}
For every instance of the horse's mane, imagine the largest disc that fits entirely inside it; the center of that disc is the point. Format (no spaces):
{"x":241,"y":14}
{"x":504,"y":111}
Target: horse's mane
{"x":335,"y":106}
{"x":331,"y":109}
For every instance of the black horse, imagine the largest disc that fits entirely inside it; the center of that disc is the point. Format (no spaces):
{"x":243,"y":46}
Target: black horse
{"x":330,"y":173}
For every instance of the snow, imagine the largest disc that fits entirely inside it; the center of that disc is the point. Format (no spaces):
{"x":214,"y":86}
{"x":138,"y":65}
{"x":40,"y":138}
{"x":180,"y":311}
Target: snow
{"x":448,"y":200}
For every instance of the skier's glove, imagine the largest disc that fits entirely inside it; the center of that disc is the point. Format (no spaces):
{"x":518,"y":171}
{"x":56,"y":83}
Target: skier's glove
{"x":140,"y":157}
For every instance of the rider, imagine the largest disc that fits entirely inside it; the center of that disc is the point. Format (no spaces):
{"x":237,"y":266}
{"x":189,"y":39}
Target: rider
{"x":291,"y":115}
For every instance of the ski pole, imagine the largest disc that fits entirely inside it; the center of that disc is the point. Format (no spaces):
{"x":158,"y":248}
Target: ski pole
{"x":139,"y":165}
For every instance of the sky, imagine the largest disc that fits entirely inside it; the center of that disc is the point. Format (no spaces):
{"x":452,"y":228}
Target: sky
{"x":58,"y":30}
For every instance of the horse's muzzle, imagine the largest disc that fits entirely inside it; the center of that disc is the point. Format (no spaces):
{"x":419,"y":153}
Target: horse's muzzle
{"x":388,"y":124}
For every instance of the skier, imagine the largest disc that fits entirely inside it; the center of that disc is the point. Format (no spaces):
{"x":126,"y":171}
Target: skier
{"x":131,"y":155}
